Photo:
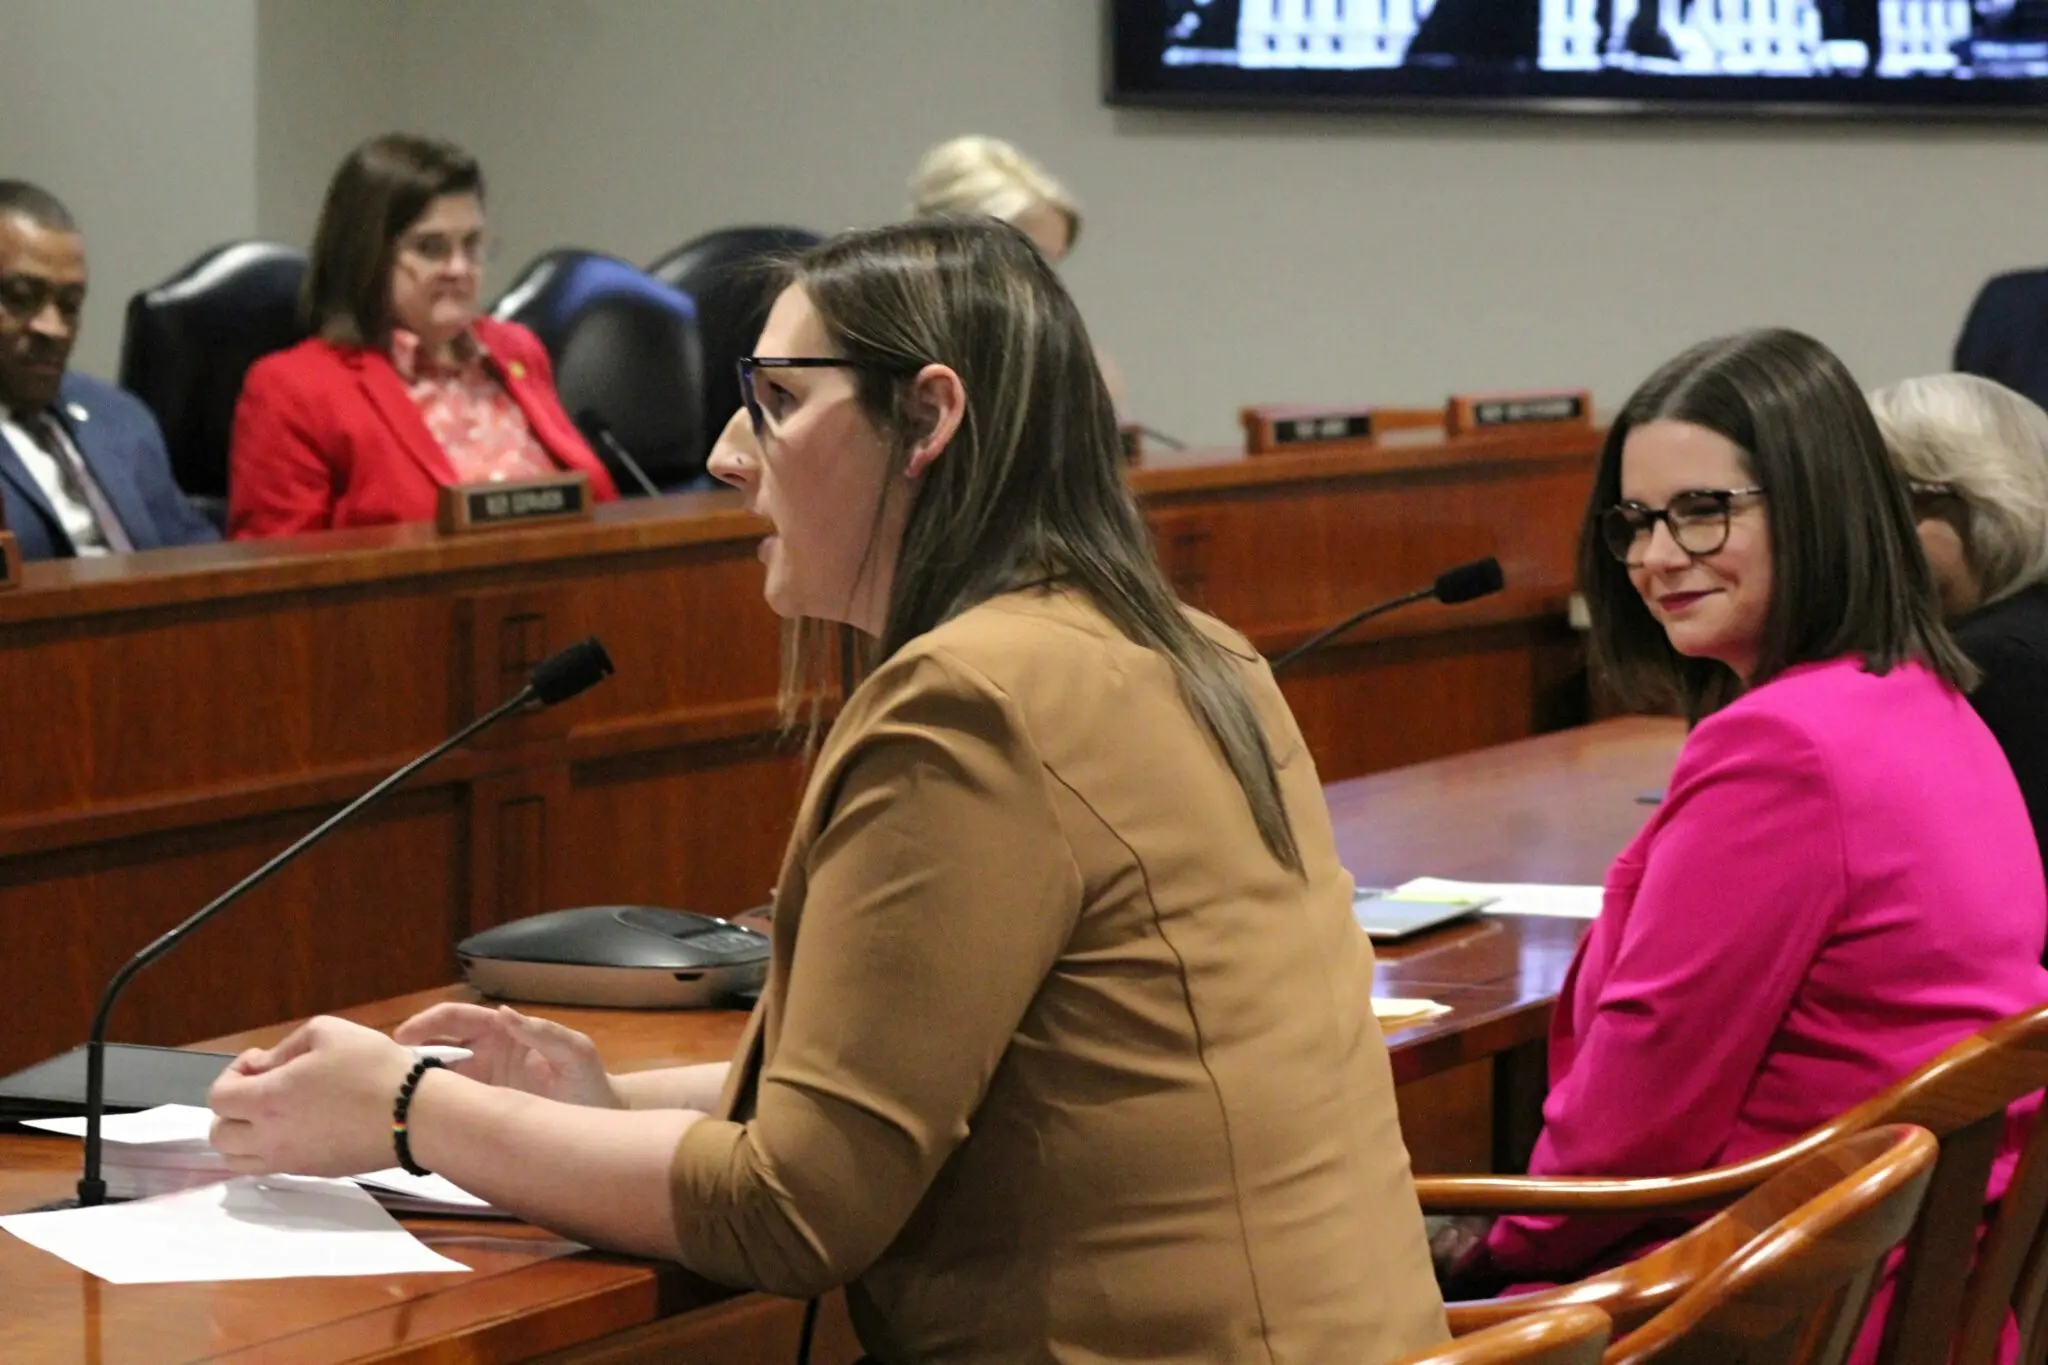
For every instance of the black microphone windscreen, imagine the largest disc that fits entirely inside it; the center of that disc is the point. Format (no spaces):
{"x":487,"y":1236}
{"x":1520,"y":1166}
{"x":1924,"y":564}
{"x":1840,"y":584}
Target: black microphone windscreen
{"x":590,"y":421}
{"x":571,"y":672}
{"x":1467,"y":581}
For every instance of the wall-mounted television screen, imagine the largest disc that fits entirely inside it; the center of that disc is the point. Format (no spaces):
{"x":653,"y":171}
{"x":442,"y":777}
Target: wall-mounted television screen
{"x":1917,"y":57}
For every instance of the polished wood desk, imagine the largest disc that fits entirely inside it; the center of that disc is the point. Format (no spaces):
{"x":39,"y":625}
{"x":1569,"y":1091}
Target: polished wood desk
{"x":178,"y":716}
{"x":1552,"y":808}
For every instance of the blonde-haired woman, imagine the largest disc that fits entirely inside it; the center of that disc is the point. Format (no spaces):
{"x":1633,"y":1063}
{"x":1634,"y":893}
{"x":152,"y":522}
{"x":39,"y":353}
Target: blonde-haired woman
{"x":987,"y":176}
{"x":1975,"y":455}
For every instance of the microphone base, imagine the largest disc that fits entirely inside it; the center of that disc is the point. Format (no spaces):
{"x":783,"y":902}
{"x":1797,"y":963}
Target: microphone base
{"x":74,"y":1202}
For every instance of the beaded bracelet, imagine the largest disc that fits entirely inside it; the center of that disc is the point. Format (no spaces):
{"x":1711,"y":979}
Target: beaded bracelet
{"x":400,"y":1138}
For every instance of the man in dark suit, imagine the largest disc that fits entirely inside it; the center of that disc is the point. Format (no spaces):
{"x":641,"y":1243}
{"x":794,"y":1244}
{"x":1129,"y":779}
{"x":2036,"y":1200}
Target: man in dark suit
{"x":2006,"y":335}
{"x":83,"y":470}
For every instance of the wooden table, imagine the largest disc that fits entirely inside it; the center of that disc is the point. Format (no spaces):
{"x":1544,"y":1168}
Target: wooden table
{"x":180,"y":715}
{"x":1552,"y":808}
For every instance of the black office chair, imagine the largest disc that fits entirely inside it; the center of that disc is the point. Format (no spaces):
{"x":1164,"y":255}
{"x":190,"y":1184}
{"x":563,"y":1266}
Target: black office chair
{"x":627,"y":359}
{"x":726,"y":273}
{"x":190,"y":340}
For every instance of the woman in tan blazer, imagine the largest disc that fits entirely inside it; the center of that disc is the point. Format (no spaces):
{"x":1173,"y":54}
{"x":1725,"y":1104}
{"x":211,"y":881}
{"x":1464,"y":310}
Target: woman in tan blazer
{"x":1066,"y":1051}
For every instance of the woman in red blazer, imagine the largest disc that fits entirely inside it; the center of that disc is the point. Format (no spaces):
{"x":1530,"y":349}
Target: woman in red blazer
{"x":403,"y":389}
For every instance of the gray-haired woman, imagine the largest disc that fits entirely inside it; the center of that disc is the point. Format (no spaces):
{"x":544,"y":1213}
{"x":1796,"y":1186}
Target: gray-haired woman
{"x":1975,"y":455}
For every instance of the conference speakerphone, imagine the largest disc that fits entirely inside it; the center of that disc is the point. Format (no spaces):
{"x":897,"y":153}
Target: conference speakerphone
{"x":625,"y":956}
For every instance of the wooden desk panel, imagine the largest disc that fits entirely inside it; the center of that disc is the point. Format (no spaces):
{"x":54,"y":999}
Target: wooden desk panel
{"x":196,"y":709}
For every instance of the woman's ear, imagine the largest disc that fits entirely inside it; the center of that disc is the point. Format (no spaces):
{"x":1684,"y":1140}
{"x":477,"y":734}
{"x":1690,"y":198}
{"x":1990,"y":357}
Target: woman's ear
{"x":937,"y":406}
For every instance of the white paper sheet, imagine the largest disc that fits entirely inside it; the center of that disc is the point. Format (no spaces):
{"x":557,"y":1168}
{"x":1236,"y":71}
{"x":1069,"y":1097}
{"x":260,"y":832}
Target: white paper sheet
{"x":165,"y":1123}
{"x":176,"y":1135}
{"x":1511,"y":898}
{"x":420,"y":1190}
{"x":248,"y":1228}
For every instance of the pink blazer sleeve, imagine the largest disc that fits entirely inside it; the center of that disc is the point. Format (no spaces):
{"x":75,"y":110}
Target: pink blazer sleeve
{"x":1740,"y":885}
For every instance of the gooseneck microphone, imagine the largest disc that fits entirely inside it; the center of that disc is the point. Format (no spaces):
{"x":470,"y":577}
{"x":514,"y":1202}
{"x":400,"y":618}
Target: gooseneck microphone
{"x":1477,"y":579}
{"x":592,"y":424}
{"x":557,"y":678}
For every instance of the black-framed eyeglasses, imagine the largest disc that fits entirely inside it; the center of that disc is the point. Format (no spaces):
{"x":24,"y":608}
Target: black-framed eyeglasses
{"x":750,"y":363}
{"x":1697,"y":519}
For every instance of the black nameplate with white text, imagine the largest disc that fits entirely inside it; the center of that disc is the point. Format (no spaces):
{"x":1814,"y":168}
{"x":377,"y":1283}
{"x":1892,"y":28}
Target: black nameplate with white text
{"x":1505,"y":412}
{"x":1491,"y":411}
{"x":496,"y":506}
{"x":1348,"y":426}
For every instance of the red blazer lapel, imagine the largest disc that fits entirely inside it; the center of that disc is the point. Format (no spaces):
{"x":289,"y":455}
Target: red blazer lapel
{"x":394,"y":406}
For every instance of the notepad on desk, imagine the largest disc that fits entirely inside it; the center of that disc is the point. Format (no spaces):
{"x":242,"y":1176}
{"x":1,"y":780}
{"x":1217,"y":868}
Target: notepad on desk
{"x":1396,"y":1012}
{"x":1510,"y":898}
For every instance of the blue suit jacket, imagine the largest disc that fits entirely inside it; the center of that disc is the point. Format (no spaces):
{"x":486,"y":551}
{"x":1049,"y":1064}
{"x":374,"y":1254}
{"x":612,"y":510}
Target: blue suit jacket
{"x":124,"y":450}
{"x":2006,"y":335}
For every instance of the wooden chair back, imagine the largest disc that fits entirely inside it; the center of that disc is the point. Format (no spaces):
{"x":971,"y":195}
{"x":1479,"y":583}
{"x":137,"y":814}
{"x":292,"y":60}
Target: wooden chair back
{"x":1573,"y":1335}
{"x":1635,"y":1291}
{"x":1798,"y":1293}
{"x":1942,"y":1297}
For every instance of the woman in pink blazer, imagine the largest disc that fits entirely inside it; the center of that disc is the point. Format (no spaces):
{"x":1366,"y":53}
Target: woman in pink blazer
{"x":1841,"y":879}
{"x":403,"y":389}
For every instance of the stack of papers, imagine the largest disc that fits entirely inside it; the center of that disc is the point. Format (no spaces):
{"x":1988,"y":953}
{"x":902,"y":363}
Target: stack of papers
{"x":1509,"y":898}
{"x":156,"y":1151}
{"x":165,"y":1149}
{"x":248,"y":1228}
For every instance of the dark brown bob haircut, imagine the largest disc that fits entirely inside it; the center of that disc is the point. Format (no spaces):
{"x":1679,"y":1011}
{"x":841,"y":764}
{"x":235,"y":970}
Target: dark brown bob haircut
{"x":1847,"y":572}
{"x":380,"y":190}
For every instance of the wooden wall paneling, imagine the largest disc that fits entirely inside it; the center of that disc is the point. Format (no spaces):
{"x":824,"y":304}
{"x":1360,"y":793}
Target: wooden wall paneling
{"x":368,"y":909}
{"x":1447,"y":1120}
{"x":500,"y":636}
{"x":699,"y":827}
{"x":514,"y":821}
{"x":136,"y":710}
{"x":1384,"y":702}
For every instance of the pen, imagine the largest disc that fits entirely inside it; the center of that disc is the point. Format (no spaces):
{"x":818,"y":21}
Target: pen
{"x":442,"y":1052}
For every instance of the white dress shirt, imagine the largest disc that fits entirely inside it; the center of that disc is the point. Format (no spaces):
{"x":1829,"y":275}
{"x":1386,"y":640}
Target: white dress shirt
{"x":64,"y":497}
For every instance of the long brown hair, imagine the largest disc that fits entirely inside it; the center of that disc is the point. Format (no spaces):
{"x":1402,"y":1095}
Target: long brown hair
{"x":1847,"y":572}
{"x":1031,"y":485}
{"x":380,"y":189}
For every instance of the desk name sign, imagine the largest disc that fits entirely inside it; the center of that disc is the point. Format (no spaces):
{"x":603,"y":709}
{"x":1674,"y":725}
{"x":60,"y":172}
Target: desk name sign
{"x":10,"y":561}
{"x":1270,"y":428}
{"x":1474,"y":412}
{"x":497,"y":506}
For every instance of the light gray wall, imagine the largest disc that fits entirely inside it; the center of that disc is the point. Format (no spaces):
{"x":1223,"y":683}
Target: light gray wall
{"x":1228,"y":258}
{"x":329,"y":73}
{"x":141,"y":116}
{"x":1236,"y":258}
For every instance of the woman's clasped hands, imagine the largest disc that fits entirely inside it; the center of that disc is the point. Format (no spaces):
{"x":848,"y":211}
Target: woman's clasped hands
{"x":321,"y":1101}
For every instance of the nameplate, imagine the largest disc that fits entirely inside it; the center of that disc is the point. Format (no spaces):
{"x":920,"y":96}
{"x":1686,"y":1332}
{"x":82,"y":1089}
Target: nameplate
{"x":1274,"y":427}
{"x":497,"y":506}
{"x":10,"y":561}
{"x":1468,"y":413}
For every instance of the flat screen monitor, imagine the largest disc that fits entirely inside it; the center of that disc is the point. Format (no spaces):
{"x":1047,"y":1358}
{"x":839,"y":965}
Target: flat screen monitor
{"x":1916,"y":58}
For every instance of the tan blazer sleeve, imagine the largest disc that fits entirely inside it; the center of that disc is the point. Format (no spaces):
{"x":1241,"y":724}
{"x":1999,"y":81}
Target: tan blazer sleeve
{"x":939,"y":893}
